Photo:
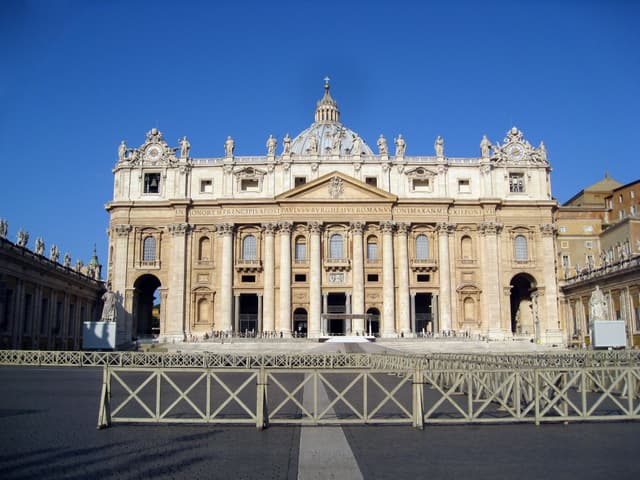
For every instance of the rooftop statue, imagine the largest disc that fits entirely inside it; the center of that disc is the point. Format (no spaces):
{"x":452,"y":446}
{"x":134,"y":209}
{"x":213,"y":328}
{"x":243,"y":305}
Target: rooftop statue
{"x":122,"y":151}
{"x":439,"y":147}
{"x":67,"y":260}
{"x":485,"y":147}
{"x":356,"y":148}
{"x":286,"y":145}
{"x":229,"y":147}
{"x":185,"y":146}
{"x":22,"y":238}
{"x":4,"y":226}
{"x":272,"y":143}
{"x":313,"y":144}
{"x":400,"y":146}
{"x":39,"y":246}
{"x":337,"y":142}
{"x":54,"y":253}
{"x":543,"y":152}
{"x":382,"y":145}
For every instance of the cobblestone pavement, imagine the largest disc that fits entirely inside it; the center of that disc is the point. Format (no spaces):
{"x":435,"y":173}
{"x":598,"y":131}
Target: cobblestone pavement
{"x":48,"y":429}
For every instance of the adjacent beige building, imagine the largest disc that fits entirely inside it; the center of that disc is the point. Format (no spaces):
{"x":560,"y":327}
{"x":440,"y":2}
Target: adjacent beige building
{"x":323,"y":236}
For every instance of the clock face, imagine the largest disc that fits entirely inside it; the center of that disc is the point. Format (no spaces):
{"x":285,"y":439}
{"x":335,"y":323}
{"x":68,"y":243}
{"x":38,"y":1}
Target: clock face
{"x":153,"y":152}
{"x":515,"y":152}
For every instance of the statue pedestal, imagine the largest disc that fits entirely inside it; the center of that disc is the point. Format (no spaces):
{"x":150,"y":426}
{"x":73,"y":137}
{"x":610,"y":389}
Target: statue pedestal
{"x":99,"y":336}
{"x":608,"y":333}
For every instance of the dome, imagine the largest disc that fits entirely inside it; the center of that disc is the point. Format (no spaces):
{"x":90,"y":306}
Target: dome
{"x":327,"y":136}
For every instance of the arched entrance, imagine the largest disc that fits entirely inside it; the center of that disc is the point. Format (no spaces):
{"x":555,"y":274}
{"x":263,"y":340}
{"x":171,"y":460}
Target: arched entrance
{"x":300,"y":322}
{"x":523,"y":321}
{"x":373,"y":322}
{"x":146,"y":306}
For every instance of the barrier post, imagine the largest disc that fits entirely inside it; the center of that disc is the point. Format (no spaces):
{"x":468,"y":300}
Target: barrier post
{"x":104,"y":412}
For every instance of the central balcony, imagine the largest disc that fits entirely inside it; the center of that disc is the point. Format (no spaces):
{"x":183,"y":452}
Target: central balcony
{"x":248,"y":266}
{"x":424,"y":264}
{"x":337,"y":264}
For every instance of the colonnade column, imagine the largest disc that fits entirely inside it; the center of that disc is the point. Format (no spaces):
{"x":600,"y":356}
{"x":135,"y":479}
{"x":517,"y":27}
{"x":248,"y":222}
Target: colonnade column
{"x":490,"y":279}
{"x":315,"y":279}
{"x":357,"y":299}
{"x":285,"y":279}
{"x":225,"y":308}
{"x":176,"y":321}
{"x":553,"y":333}
{"x":236,"y":313}
{"x":388,"y":281}
{"x":268,"y":305}
{"x":405,"y":313}
{"x":445,"y":276}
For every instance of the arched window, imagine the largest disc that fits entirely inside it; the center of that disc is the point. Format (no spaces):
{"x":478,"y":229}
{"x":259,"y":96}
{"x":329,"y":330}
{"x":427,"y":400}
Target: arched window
{"x":301,"y":249}
{"x":422,"y":247}
{"x":520,"y":244}
{"x":249,"y":248}
{"x":204,"y":250}
{"x":149,"y":249}
{"x":467,"y":248}
{"x":372,"y":248}
{"x":336,"y":246}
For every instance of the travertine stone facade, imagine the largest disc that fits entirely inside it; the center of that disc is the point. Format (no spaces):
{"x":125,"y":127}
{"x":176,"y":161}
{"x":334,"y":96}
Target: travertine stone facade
{"x":323,"y":236}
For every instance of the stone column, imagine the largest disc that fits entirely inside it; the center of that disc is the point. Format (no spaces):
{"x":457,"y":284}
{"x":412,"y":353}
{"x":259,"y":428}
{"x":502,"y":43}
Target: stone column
{"x":225,"y":309}
{"x":261,"y":327}
{"x":268,"y":313}
{"x":404,"y":312}
{"x":348,"y":322}
{"x":490,"y":280}
{"x":435,"y":313}
{"x":553,"y":333}
{"x":388,"y":281}
{"x":285,"y":279}
{"x":236,"y":313}
{"x":357,"y":285}
{"x":177,"y":279}
{"x":124,"y":329}
{"x":315,"y":279}
{"x":445,"y":275}
{"x":413,"y":313}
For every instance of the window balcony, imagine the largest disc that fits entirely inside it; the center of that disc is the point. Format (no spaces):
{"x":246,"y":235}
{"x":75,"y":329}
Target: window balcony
{"x":148,"y":265}
{"x":424,"y":264}
{"x":243,"y":265}
{"x":337,"y":264}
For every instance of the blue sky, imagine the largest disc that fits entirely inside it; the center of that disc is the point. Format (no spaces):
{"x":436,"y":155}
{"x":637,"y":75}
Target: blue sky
{"x":77,"y":77}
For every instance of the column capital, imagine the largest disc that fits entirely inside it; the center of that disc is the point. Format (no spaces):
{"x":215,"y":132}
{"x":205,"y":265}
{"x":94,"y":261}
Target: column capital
{"x":224,"y":229}
{"x":357,"y":227}
{"x":490,"y":228}
{"x":122,"y":230}
{"x":387,"y":226}
{"x":314,"y":227}
{"x":445,"y":228}
{"x":403,"y":227}
{"x":285,"y":227}
{"x":547,"y":229}
{"x":179,"y":229}
{"x":269,"y":228}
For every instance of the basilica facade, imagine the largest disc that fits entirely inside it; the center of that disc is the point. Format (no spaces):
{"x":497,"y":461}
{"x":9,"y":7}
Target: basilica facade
{"x":323,"y":236}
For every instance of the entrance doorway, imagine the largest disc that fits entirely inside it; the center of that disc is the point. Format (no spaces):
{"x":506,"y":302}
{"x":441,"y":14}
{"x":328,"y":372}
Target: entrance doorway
{"x":373,"y":322}
{"x":146,"y":306}
{"x":248,"y":315}
{"x":300,"y":322}
{"x":424,"y":317}
{"x":523,"y":320}
{"x":336,"y":303}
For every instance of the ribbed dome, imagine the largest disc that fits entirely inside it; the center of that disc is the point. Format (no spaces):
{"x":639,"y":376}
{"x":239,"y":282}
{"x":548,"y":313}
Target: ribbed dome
{"x":327,"y":136}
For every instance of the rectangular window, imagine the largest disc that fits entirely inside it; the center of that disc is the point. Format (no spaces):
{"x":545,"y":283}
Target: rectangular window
{"x":206,"y":186}
{"x":373,"y":181}
{"x":588,"y":228}
{"x":422,"y":277}
{"x":372,"y":251}
{"x":248,"y":278}
{"x":301,"y":252}
{"x":516,"y":183}
{"x":300,"y":277}
{"x":562,"y":229}
{"x":420,"y":184}
{"x":588,"y":244}
{"x":566,"y":262}
{"x":464,"y":186}
{"x":297,"y":181}
{"x":249,"y":185}
{"x":372,"y":277}
{"x":151,"y":183}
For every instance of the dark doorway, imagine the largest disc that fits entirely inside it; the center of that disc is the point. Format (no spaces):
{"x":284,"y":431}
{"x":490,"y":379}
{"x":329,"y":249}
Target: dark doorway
{"x":424,"y":317}
{"x":248,"y":315}
{"x":146,"y":306}
{"x":300,"y":322}
{"x":373,"y":322}
{"x":522,"y":314}
{"x":336,"y":303}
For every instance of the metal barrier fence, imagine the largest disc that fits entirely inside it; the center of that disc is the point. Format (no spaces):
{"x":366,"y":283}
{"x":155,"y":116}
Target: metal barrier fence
{"x":356,"y":388}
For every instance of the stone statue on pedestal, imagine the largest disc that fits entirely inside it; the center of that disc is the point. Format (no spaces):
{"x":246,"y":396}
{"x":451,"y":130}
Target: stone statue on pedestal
{"x":22,"y":238}
{"x":272,"y":143}
{"x":67,"y":260}
{"x":122,"y":151}
{"x":229,"y":147}
{"x":109,"y":306}
{"x":54,"y":253}
{"x":185,"y":146}
{"x":286,"y":145}
{"x":39,"y":246}
{"x":400,"y":146}
{"x":356,"y":148}
{"x":439,"y":147}
{"x":485,"y":147}
{"x":4,"y":226}
{"x":597,"y":305}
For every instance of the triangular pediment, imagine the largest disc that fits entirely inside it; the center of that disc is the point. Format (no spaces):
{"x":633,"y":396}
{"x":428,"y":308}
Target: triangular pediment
{"x":336,"y":187}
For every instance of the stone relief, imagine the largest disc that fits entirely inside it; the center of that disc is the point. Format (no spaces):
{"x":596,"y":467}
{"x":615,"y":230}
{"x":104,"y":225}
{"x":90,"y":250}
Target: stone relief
{"x":336,"y":187}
